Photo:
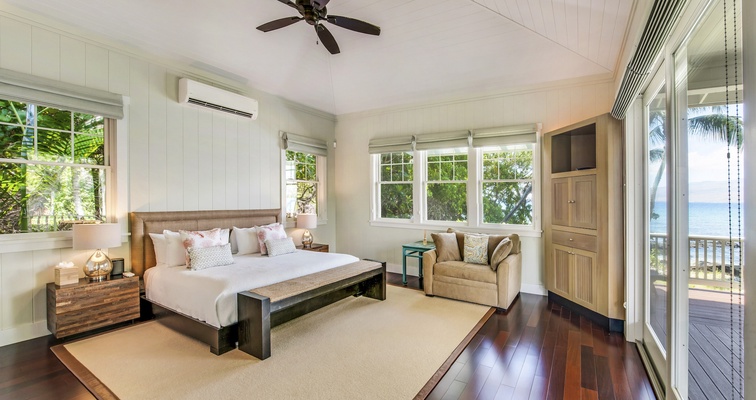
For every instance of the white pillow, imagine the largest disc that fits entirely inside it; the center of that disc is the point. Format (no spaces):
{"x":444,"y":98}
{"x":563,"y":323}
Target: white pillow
{"x":195,"y":239}
{"x":158,"y":242}
{"x":225,"y":235}
{"x":208,"y":257}
{"x":270,"y":231}
{"x":276,"y":247}
{"x":175,"y":253}
{"x":244,"y":239}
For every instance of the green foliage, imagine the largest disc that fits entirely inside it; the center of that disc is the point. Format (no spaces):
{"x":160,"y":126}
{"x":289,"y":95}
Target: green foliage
{"x":507,"y":187}
{"x":396,"y":201}
{"x":49,"y":196}
{"x":301,"y":182}
{"x":447,"y":202}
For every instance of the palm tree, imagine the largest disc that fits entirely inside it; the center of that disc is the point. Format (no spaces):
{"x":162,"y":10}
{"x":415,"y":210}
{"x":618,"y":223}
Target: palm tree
{"x":710,"y":123}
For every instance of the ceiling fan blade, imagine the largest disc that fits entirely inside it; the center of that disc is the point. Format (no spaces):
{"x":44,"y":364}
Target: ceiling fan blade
{"x":288,"y":3}
{"x":354,"y":25}
{"x":327,"y":39}
{"x":279,"y":23}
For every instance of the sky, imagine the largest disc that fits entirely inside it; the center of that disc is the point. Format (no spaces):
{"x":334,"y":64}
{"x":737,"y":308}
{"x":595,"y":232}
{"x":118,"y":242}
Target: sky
{"x":707,"y":166}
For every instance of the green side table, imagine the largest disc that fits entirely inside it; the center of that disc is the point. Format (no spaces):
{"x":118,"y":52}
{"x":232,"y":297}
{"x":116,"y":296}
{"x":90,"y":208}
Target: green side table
{"x":414,"y":250}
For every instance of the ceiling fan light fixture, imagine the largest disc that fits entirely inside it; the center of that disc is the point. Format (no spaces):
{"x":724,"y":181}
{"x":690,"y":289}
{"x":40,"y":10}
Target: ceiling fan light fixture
{"x":314,"y":12}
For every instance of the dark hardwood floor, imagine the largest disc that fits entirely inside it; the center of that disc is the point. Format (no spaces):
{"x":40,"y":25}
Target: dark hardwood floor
{"x":537,"y":350}
{"x":540,"y":350}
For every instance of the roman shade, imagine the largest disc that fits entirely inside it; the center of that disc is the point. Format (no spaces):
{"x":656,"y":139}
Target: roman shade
{"x":505,"y":135}
{"x":392,"y":144}
{"x":17,"y":86}
{"x":304,"y":144}
{"x":443,"y":140}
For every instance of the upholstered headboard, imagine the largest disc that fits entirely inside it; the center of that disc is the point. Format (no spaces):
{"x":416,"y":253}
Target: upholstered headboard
{"x":144,"y":223}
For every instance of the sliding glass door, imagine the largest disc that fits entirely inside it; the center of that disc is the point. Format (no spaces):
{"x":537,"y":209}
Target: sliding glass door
{"x":693,"y":269}
{"x":656,"y":258}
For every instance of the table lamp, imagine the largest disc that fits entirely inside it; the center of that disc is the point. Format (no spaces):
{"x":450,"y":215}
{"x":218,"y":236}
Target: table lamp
{"x":306,"y":222}
{"x":97,"y":237}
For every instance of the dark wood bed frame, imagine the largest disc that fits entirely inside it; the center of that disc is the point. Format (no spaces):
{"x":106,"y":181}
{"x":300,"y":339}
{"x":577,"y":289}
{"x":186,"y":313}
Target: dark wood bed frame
{"x":142,"y":224}
{"x":222,"y":339}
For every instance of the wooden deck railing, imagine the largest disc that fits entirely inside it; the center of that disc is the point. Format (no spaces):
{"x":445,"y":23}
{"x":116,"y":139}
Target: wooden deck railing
{"x":710,"y":261}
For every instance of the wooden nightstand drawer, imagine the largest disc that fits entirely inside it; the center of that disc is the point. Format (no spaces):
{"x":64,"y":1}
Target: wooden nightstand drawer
{"x":86,"y":306}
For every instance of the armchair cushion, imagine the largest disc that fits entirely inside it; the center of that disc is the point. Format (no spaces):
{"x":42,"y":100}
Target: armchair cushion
{"x":446,"y":247}
{"x":493,"y":241}
{"x":476,"y":249}
{"x":467,"y":271}
{"x":501,"y":252}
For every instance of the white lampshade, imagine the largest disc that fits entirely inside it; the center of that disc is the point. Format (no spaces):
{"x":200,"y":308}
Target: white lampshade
{"x":96,"y":236}
{"x":307,"y":221}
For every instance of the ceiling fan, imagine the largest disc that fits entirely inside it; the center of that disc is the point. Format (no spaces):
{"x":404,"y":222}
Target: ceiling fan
{"x":314,"y":12}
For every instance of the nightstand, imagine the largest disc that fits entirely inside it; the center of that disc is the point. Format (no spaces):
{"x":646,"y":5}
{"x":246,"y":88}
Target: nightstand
{"x":88,"y":305}
{"x":320,"y":248}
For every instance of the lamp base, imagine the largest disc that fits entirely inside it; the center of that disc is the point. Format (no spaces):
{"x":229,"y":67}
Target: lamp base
{"x":98,"y":267}
{"x":307,"y":239}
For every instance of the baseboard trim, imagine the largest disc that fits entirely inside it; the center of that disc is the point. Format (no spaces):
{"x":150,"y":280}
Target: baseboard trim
{"x":610,"y":324}
{"x":533,"y":289}
{"x":23,"y":332}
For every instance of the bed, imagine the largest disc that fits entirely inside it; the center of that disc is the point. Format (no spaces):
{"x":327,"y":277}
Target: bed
{"x":203,"y":304}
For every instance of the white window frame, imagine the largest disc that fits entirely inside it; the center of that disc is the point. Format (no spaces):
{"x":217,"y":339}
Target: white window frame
{"x":424,"y":191}
{"x":321,"y":173}
{"x":474,"y":197}
{"x":116,"y":200}
{"x":536,"y":190}
{"x":375,"y":190}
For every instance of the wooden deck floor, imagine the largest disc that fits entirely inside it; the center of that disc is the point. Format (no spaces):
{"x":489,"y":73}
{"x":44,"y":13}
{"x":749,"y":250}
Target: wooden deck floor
{"x":710,"y":360}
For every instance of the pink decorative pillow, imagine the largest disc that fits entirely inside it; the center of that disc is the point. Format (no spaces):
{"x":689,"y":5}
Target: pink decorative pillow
{"x":269,"y":232}
{"x":200,"y":239}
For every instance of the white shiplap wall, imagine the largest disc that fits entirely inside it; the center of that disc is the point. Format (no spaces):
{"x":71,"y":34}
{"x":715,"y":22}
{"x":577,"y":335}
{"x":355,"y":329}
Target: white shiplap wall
{"x":554,"y":108}
{"x":179,"y":157}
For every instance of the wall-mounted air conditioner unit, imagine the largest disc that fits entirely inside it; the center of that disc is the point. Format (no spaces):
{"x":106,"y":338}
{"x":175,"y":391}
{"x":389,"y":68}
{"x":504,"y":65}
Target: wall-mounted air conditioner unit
{"x":218,"y":99}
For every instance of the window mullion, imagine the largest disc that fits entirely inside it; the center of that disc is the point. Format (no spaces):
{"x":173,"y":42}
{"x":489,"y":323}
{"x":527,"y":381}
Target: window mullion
{"x":419,"y":189}
{"x":473,"y":186}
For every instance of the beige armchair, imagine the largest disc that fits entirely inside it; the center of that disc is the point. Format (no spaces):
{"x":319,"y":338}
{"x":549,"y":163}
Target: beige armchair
{"x":475,"y":283}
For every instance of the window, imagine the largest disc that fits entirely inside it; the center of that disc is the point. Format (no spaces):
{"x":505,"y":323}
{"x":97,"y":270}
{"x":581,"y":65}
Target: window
{"x":301,"y":183}
{"x":507,"y":185}
{"x":482,"y":179}
{"x":53,"y":168}
{"x":395,"y":186}
{"x":446,"y":188}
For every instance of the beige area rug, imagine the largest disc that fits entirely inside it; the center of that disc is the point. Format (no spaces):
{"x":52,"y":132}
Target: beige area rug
{"x":358,"y":348}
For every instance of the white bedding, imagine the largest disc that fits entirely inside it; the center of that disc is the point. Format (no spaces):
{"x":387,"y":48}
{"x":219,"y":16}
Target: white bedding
{"x":209,"y":295}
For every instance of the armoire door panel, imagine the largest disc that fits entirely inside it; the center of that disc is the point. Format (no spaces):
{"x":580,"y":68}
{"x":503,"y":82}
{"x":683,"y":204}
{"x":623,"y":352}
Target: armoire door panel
{"x":584,"y":267}
{"x":562,"y":271}
{"x":561,"y":202}
{"x":584,"y":202}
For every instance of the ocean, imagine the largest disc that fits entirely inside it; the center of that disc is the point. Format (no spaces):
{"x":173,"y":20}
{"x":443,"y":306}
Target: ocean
{"x":705,"y":219}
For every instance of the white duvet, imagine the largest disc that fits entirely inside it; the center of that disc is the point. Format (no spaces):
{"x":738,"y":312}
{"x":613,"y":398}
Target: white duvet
{"x":209,"y":295}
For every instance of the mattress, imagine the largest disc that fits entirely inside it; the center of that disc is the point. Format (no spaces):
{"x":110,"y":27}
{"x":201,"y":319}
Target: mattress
{"x":209,"y":295}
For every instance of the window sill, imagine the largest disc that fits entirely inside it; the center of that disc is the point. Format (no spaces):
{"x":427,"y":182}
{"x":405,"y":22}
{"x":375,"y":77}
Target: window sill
{"x":17,"y":242}
{"x":434,"y":226}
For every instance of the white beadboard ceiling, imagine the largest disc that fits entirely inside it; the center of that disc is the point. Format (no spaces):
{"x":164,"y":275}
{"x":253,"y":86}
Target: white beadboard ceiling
{"x":428,"y":50}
